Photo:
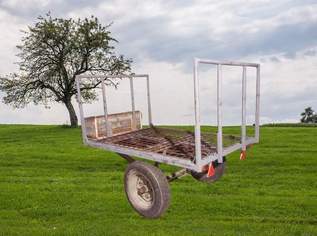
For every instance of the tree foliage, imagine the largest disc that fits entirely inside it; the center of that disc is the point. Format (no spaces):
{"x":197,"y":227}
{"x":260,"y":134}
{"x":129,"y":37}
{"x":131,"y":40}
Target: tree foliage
{"x":52,"y":53}
{"x":308,"y":116}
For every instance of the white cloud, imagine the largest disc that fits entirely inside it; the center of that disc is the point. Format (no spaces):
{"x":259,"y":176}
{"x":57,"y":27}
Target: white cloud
{"x":25,"y":4}
{"x":11,"y":27}
{"x":163,"y":36}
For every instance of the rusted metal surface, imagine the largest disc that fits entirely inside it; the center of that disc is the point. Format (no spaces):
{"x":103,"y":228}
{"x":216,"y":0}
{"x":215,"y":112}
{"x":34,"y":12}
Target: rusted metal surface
{"x":169,"y":142}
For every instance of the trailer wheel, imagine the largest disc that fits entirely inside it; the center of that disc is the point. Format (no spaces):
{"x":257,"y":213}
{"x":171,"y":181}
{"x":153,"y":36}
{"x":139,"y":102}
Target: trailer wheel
{"x":219,"y":171}
{"x":147,"y":189}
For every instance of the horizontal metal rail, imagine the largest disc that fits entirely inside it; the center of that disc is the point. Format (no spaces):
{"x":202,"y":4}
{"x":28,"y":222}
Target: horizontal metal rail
{"x":146,"y":155}
{"x":226,"y":63}
{"x":123,"y":76}
{"x":238,"y":146}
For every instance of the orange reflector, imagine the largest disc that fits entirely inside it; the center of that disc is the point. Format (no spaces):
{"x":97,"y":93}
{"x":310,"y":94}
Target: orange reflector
{"x":243,"y":155}
{"x":211,"y":170}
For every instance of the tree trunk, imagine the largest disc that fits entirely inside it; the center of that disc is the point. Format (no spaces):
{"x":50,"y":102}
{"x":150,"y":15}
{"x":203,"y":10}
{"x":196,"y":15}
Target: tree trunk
{"x":72,"y":114}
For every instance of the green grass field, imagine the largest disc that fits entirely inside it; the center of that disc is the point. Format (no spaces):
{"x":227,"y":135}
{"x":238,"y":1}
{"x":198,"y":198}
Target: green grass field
{"x":50,"y":184}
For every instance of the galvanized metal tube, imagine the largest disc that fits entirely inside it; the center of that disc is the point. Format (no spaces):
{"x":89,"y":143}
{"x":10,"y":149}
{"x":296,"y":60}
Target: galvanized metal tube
{"x":121,"y":76}
{"x":132,"y":104}
{"x":172,"y":160}
{"x":81,"y":112}
{"x":219,"y":114}
{"x":149,"y":100}
{"x":227,"y":63}
{"x":197,"y":115}
{"x":105,"y":108}
{"x":243,"y":121}
{"x":257,"y":108}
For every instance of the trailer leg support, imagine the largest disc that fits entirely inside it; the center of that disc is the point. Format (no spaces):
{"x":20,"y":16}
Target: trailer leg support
{"x":176,"y":175}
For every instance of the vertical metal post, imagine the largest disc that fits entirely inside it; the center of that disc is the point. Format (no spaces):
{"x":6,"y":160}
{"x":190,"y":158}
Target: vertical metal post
{"x":96,"y":127}
{"x":149,"y":100}
{"x":132,"y":103}
{"x":243,"y":122}
{"x":257,"y":108}
{"x":81,"y":111}
{"x":105,"y":108}
{"x":197,"y":115}
{"x":219,"y":113}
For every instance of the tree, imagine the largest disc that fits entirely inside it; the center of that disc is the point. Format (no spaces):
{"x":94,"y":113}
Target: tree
{"x":308,"y":116}
{"x":52,"y":53}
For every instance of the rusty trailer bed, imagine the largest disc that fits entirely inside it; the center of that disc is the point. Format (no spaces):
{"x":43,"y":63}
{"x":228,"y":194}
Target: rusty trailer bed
{"x":168,"y":142}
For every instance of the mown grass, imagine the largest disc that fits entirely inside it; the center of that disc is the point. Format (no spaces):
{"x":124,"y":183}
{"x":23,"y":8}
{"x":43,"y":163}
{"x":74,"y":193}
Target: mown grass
{"x":290,"y":125}
{"x":50,"y":184}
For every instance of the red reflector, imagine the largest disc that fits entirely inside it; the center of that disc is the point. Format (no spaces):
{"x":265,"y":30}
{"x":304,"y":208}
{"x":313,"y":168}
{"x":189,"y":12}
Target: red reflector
{"x":211,"y":170}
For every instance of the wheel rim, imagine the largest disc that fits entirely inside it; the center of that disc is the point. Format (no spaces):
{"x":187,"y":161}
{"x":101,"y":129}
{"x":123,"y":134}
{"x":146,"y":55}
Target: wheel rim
{"x":139,"y":189}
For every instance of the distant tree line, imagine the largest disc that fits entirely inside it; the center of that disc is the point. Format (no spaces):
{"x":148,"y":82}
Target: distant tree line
{"x":308,"y":116}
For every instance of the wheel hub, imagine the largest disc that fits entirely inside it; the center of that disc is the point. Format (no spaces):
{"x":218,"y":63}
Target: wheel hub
{"x":144,"y":190}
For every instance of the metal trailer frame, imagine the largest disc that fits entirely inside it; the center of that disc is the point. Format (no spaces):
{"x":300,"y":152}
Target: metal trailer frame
{"x":198,"y":163}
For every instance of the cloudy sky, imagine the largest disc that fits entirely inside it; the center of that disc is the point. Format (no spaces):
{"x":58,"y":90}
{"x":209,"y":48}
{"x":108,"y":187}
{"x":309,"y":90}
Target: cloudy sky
{"x":163,"y":37}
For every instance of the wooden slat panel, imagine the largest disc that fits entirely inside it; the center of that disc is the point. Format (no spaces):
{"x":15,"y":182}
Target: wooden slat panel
{"x":120,"y":123}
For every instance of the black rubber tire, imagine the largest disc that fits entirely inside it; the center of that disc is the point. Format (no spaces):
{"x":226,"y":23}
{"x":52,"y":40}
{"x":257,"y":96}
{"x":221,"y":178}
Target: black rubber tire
{"x":202,"y":176}
{"x":158,"y":184}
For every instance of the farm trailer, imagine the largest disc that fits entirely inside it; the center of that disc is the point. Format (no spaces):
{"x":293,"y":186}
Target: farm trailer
{"x":198,"y":153}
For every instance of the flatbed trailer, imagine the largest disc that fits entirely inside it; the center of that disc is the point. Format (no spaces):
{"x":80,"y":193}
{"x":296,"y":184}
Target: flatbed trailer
{"x":202,"y":154}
